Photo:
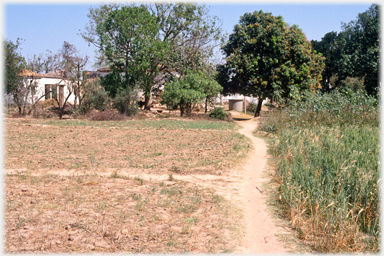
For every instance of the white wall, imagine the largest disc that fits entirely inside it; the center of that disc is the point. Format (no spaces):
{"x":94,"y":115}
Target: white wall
{"x":54,"y":81}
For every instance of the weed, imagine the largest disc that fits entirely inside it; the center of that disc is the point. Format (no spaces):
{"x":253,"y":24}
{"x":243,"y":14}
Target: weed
{"x":140,"y":180}
{"x":101,"y":206}
{"x":136,"y":197}
{"x":20,"y":223}
{"x":175,"y":169}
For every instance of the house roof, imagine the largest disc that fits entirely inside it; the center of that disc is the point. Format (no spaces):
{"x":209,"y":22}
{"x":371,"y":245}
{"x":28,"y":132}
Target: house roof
{"x":29,"y":73}
{"x":106,"y":69}
{"x":55,"y":74}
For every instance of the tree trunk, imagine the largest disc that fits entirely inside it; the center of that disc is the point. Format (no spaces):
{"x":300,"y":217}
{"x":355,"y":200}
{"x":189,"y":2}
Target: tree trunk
{"x":258,"y":109}
{"x":147,"y":102}
{"x":181,"y":108}
{"x":206,"y":104}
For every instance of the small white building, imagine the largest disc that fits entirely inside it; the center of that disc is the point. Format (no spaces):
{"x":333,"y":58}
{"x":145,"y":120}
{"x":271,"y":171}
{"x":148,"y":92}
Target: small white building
{"x":52,"y":85}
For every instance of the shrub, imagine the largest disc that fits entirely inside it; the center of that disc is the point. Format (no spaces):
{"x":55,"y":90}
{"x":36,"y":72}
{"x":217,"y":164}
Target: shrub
{"x":218,"y":113}
{"x":50,"y":103}
{"x":251,"y":107}
{"x":107,"y":115}
{"x":188,"y":90}
{"x":95,"y":97}
{"x":126,"y":102}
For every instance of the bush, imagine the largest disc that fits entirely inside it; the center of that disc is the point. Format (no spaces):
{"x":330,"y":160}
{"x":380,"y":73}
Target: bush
{"x":126,"y":102}
{"x":50,"y":103}
{"x":107,"y":115}
{"x":95,"y":97}
{"x":218,"y":113}
{"x":188,"y":91}
{"x":251,"y":107}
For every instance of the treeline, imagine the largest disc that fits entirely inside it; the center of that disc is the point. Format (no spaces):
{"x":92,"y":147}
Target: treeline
{"x":352,"y":56}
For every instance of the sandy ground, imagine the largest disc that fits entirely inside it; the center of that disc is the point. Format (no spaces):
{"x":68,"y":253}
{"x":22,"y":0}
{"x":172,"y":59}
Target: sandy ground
{"x":261,"y":231}
{"x":243,"y":185}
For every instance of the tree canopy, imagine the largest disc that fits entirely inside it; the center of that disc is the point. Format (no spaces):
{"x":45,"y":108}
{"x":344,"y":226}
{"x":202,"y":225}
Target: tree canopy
{"x":188,"y":90}
{"x":171,"y":38}
{"x":354,"y":52}
{"x":267,"y":58}
{"x":14,"y":63}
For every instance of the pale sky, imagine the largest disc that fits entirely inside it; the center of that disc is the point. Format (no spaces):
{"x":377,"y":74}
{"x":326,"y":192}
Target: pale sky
{"x":45,"y":26}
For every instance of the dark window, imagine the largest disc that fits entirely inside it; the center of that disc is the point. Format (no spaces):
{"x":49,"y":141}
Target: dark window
{"x":47,"y":91}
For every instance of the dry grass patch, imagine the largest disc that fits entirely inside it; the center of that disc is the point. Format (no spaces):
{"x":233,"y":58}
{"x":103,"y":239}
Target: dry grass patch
{"x":34,"y":146}
{"x":115,"y":214}
{"x":48,"y":210}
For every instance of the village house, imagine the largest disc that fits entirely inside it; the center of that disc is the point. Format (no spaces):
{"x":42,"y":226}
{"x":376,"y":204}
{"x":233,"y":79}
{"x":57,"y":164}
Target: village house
{"x":52,"y":85}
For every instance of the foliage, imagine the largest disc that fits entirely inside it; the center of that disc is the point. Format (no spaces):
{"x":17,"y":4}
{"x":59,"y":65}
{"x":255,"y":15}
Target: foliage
{"x":16,"y":86}
{"x":327,"y":161}
{"x":127,"y":38}
{"x":175,"y":37}
{"x":95,"y":97}
{"x":354,"y":52}
{"x":191,"y":35}
{"x":126,"y":102}
{"x":266,"y":58}
{"x":112,"y":82}
{"x":218,"y":113}
{"x":14,"y":63}
{"x":188,"y":91}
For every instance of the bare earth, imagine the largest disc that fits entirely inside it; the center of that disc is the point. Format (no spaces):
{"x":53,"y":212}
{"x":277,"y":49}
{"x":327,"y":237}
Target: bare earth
{"x":79,"y":210}
{"x":261,"y":230}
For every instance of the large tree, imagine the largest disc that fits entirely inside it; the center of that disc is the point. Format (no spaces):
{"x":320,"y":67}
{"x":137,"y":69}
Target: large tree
{"x":184,"y":40}
{"x":128,"y":40}
{"x":267,"y":58}
{"x":72,"y":64}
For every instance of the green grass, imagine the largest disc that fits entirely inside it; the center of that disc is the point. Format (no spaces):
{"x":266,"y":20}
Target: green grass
{"x":150,"y":124}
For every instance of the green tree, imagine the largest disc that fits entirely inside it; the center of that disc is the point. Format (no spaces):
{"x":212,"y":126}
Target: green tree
{"x":360,"y":49}
{"x":189,"y":90}
{"x":185,"y":38}
{"x":354,"y":52}
{"x":267,"y":58}
{"x":128,"y":40}
{"x":14,"y":64}
{"x":327,"y":47}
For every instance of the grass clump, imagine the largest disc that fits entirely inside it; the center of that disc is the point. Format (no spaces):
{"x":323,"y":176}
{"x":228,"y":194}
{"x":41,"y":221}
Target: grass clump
{"x":326,"y":153}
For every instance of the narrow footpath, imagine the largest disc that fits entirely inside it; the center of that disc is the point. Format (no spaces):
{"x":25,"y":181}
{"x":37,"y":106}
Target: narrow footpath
{"x":261,"y":230}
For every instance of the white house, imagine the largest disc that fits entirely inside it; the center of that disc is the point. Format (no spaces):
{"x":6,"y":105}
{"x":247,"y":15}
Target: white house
{"x":47,"y":86}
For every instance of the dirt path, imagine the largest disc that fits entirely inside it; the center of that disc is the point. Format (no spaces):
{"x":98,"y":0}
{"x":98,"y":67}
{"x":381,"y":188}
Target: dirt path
{"x":260,"y":228}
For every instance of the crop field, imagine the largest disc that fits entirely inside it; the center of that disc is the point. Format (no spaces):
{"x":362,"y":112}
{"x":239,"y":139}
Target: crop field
{"x":82,"y":186}
{"x":326,"y":158}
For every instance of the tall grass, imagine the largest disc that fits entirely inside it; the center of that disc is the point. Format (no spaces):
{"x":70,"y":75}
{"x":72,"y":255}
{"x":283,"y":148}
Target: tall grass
{"x":327,"y":163}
